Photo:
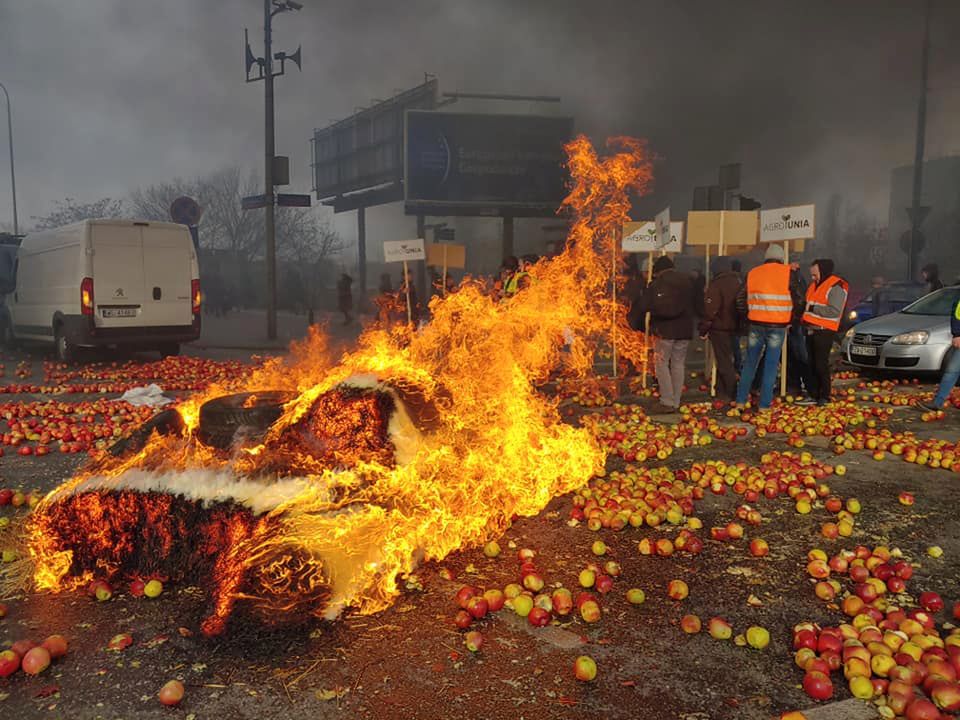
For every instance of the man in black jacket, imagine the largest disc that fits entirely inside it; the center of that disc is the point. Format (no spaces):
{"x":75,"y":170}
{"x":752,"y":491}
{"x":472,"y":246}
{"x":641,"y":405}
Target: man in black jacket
{"x":670,"y":299}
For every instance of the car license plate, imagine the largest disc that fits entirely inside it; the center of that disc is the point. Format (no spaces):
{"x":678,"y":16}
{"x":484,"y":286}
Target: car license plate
{"x":118,"y":312}
{"x":864,"y":350}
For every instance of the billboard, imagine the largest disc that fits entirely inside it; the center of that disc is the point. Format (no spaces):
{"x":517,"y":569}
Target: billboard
{"x":482,"y":164}
{"x":366,"y":150}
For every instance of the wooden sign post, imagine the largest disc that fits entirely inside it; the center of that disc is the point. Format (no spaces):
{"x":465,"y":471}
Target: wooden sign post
{"x":404,"y":251}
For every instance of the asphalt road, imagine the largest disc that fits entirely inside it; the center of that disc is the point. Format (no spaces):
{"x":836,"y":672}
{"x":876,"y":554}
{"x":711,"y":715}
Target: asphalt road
{"x":410,"y":661}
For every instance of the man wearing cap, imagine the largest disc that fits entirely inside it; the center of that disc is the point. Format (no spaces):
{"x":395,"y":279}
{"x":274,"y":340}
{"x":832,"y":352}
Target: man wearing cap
{"x":770,"y":297}
{"x":669,"y":300}
{"x":826,"y":300}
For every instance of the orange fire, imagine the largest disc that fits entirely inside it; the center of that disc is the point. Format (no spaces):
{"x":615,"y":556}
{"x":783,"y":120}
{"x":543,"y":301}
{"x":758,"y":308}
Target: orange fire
{"x":319,"y":525}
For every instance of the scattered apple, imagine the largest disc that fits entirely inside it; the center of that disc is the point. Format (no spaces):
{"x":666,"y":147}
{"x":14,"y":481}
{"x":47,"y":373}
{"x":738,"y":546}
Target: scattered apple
{"x":172,"y":692}
{"x":585,"y":668}
{"x":35,"y":661}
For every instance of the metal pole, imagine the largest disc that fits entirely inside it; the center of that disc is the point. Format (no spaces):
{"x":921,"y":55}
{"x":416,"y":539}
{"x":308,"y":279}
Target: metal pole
{"x":269,"y":151}
{"x":13,"y":175}
{"x":362,"y":252}
{"x":915,"y":218}
{"x":613,"y":296}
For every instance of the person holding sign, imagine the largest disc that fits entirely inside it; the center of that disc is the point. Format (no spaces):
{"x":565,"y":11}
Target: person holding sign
{"x":826,"y":300}
{"x":669,"y":300}
{"x":770,"y":298}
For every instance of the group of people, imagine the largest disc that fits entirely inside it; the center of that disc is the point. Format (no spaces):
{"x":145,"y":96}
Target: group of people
{"x":770,"y":304}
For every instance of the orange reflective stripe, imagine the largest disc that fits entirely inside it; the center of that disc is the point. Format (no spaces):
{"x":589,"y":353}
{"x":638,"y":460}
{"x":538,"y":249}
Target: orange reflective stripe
{"x":768,"y":294}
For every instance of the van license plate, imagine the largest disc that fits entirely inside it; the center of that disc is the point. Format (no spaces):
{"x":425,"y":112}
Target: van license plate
{"x":118,"y":312}
{"x":866,"y":350}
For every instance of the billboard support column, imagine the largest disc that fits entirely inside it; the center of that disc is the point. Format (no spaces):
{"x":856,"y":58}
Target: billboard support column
{"x":507,"y":236}
{"x":362,"y":254}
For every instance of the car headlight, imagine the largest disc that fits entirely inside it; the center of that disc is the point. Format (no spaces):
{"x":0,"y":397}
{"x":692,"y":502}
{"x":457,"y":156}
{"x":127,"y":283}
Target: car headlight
{"x":918,"y":337}
{"x":852,"y":315}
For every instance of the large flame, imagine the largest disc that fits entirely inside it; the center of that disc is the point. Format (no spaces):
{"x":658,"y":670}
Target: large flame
{"x":495,"y":447}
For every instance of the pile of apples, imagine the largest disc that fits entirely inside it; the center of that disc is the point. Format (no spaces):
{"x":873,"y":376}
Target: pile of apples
{"x":172,"y":373}
{"x":626,"y":431}
{"x":931,"y":452}
{"x":897,"y":659}
{"x":589,"y":391}
{"x":874,"y":573}
{"x":636,"y":496}
{"x":30,"y":657}
{"x":799,"y":421}
{"x":36,"y":428}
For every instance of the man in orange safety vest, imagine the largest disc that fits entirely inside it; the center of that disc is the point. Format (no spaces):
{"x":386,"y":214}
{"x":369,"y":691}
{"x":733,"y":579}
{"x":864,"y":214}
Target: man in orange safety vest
{"x":826,"y":300}
{"x":769,"y":298}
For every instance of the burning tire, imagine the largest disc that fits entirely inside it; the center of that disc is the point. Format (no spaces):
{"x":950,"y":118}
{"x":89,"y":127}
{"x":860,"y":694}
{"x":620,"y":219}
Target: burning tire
{"x":247,"y":415}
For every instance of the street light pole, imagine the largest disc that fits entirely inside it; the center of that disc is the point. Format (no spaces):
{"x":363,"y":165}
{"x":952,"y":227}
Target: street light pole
{"x":265,"y":72}
{"x":13,"y":175}
{"x":271,"y":244}
{"x":916,"y":214}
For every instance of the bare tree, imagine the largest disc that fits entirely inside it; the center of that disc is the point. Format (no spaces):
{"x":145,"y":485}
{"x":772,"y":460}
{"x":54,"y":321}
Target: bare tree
{"x":307,"y":241}
{"x":153,"y":202}
{"x":69,"y":210}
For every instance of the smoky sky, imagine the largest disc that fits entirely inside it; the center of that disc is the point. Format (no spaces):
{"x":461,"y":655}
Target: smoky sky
{"x":814,"y":97}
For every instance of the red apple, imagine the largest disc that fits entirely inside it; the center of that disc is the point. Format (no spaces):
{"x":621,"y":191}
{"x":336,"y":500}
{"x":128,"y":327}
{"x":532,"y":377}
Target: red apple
{"x":22,"y":647}
{"x":36,"y":661}
{"x":690,"y":624}
{"x":56,"y":645}
{"x":538,"y":617}
{"x":9,"y":663}
{"x":462,"y":619}
{"x":585,"y":669}
{"x":931,"y":602}
{"x":759,"y":547}
{"x":818,"y":685}
{"x":562,"y":601}
{"x":473,"y":640}
{"x":495,"y":599}
{"x":172,"y":693}
{"x":719,"y":628}
{"x":477,"y":607}
{"x":463,"y":596}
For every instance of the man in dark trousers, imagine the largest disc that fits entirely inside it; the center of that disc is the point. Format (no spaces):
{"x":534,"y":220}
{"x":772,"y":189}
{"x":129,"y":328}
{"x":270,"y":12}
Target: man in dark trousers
{"x":669,"y":300}
{"x":951,"y":368}
{"x":721,"y":322}
{"x":770,"y":297}
{"x":826,"y":300}
{"x":931,"y":276}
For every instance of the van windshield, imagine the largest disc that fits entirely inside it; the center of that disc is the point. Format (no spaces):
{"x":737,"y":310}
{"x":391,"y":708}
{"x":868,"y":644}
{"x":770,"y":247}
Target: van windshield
{"x":940,"y":302}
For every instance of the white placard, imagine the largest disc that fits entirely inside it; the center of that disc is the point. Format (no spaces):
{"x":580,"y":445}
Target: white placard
{"x":642,"y":237}
{"x":788,"y":223}
{"x":400,"y":250}
{"x":663,"y":228}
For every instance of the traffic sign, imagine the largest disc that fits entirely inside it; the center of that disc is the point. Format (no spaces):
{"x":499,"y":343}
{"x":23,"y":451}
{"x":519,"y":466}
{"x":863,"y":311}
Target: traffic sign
{"x":918,"y":242}
{"x":185,"y":210}
{"x":252,"y":202}
{"x":290,"y":200}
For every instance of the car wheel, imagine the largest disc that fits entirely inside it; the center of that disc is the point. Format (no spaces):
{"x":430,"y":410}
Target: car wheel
{"x":252,"y":413}
{"x":65,"y":350}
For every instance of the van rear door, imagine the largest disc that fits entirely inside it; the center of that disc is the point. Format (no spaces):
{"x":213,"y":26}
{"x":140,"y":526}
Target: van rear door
{"x":117,"y":274}
{"x":168,"y":269}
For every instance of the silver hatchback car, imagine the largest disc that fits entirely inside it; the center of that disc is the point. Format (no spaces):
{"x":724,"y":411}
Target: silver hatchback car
{"x":915,"y":339}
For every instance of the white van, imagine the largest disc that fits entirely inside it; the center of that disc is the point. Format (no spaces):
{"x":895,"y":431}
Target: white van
{"x":105,"y":283}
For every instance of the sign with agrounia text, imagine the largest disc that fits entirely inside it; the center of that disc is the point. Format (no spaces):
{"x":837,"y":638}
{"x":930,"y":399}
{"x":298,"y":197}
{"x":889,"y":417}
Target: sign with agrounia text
{"x":642,"y":237}
{"x":788,"y":223}
{"x":401,"y":250}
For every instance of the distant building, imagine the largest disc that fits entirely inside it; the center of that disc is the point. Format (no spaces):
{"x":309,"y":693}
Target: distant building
{"x":941,"y":228}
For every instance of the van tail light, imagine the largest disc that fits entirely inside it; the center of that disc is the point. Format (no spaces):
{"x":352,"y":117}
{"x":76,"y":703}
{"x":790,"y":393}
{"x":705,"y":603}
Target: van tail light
{"x":195,"y":295}
{"x":86,"y":296}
